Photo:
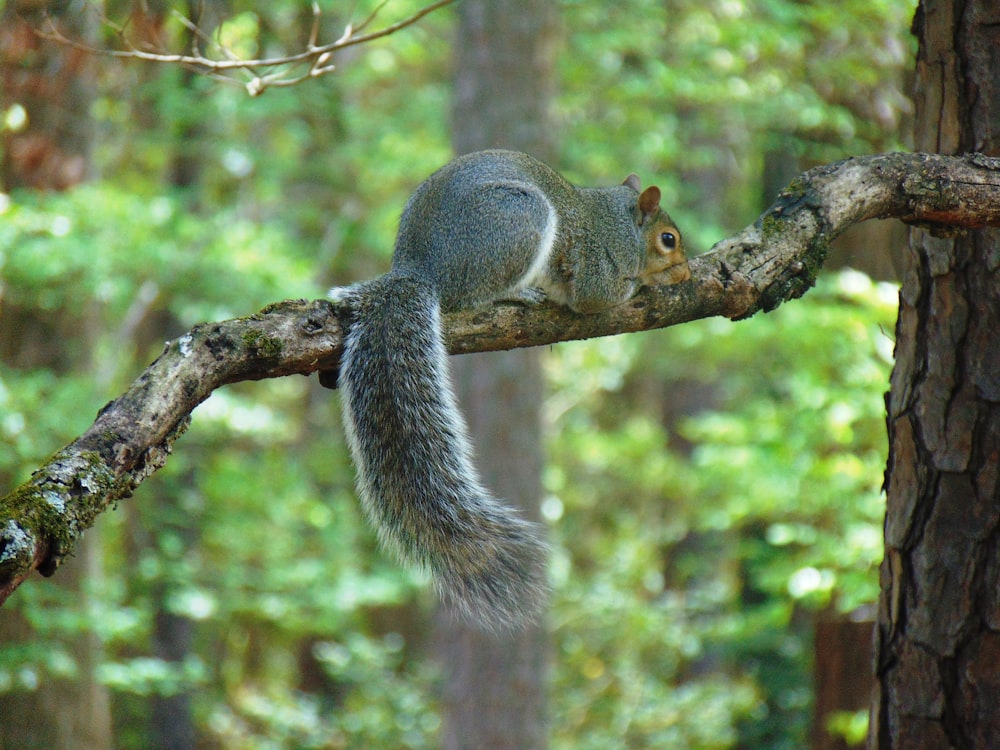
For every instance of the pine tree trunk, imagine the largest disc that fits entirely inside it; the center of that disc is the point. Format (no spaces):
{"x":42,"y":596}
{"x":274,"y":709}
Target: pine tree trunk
{"x":937,"y":651}
{"x":495,"y":685}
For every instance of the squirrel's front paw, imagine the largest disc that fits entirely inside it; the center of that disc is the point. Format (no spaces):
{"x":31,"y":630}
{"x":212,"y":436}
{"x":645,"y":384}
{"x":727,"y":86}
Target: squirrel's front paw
{"x":529,"y":295}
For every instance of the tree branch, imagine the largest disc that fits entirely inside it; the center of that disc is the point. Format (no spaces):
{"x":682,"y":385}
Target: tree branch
{"x":773,"y":260}
{"x":311,"y":62}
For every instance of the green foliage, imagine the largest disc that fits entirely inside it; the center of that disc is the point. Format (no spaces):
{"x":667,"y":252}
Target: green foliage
{"x":114,"y":248}
{"x":754,"y":453}
{"x":380,"y":701}
{"x":701,"y":95}
{"x":692,"y":546}
{"x":710,"y":488}
{"x":852,"y":726}
{"x":118,"y":273}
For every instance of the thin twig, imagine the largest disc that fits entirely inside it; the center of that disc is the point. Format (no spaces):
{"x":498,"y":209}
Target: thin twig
{"x":315,"y":56}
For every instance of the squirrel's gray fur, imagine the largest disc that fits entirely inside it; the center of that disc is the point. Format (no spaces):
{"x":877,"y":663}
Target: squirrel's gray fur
{"x":488,"y":226}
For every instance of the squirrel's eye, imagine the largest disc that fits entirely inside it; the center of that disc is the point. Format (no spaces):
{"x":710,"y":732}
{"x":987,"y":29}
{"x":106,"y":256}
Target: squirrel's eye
{"x":669,"y":240}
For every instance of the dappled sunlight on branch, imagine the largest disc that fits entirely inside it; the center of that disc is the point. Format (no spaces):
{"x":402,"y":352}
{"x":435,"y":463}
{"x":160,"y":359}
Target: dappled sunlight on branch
{"x":774,"y":260}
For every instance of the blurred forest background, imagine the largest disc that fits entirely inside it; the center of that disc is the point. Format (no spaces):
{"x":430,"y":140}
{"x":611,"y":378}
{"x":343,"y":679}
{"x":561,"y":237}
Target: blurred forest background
{"x":712,"y":490}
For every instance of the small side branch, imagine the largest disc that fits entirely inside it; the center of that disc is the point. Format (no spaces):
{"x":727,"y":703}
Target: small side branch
{"x":260,"y":74}
{"x":773,"y":260}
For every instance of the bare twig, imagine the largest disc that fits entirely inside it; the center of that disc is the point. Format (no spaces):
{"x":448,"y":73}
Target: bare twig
{"x":314,"y":59}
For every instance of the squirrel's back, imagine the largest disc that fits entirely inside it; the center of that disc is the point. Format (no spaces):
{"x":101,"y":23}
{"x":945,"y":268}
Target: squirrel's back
{"x":488,"y":226}
{"x":482,"y":226}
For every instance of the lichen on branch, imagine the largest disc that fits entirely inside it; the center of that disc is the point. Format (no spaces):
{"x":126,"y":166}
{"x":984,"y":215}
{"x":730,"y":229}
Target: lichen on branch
{"x":774,"y":260}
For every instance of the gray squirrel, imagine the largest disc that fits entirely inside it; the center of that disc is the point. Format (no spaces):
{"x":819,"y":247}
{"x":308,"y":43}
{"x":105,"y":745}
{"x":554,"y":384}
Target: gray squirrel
{"x":489,"y":226}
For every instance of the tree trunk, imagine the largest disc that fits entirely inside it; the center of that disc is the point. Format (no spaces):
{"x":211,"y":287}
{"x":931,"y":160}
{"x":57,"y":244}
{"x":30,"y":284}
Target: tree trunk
{"x":495,"y":691}
{"x":842,"y":679}
{"x":495,"y":685}
{"x":937,"y":657}
{"x":172,"y":724}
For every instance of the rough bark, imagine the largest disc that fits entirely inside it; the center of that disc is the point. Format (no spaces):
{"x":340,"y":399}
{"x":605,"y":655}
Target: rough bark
{"x":937,"y":651}
{"x":774,"y":260}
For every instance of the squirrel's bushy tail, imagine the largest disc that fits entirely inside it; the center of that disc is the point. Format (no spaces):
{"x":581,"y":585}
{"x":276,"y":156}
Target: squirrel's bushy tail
{"x":414,"y":461}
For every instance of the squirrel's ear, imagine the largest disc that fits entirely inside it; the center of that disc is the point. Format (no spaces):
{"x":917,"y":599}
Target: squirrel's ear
{"x":649,"y":202}
{"x":632,"y":181}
